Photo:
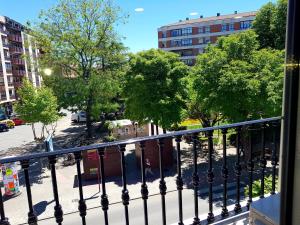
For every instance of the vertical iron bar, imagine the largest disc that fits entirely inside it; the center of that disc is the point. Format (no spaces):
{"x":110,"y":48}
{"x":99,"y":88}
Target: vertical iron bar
{"x":237,"y":170}
{"x":224,"y":175}
{"x":81,"y":204}
{"x":289,"y":175}
{"x":263,"y":161}
{"x":144,"y":188}
{"x":274,"y":157}
{"x":179,"y":181}
{"x":58,"y":213}
{"x":104,"y":198}
{"x":125,"y":194}
{"x":3,"y":220}
{"x":196,"y":220}
{"x":250,"y":165}
{"x":162,"y":183}
{"x":210,"y":177}
{"x":32,"y":218}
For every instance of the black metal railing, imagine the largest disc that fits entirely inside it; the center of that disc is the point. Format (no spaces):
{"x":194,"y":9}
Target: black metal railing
{"x":247,"y":134}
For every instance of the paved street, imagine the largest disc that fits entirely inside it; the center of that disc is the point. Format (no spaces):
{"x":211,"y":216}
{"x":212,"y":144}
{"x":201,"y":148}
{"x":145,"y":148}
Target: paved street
{"x":136,"y":211}
{"x":21,"y":135}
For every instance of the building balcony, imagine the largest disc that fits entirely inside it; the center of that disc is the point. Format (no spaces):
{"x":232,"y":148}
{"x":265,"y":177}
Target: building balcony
{"x":15,"y":50}
{"x":3,"y":31}
{"x":8,"y":70}
{"x":3,"y":96}
{"x":18,"y":72}
{"x":18,"y":61}
{"x":15,"y":38}
{"x":5,"y":44}
{"x":7,"y":58}
{"x":195,"y":178}
{"x":10,"y":83}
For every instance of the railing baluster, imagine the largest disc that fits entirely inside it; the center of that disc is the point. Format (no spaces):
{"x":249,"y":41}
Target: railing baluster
{"x":3,"y":220}
{"x":210,"y":177}
{"x":237,"y":170}
{"x":274,"y":157}
{"x":58,"y":213}
{"x":125,"y":194}
{"x":263,"y":161}
{"x":196,"y":220}
{"x":179,"y":181}
{"x":162,"y":183}
{"x":32,"y":218}
{"x":81,"y":204}
{"x":104,"y":198}
{"x":250,"y":166}
{"x":224,"y":175}
{"x":144,"y":188}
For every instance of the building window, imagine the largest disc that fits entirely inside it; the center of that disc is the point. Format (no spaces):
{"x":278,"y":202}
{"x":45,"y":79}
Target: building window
{"x":231,"y":26}
{"x":245,"y":25}
{"x":201,"y":50}
{"x":207,"y":40}
{"x":187,"y":53}
{"x":224,"y":27}
{"x":200,"y":30}
{"x":163,"y":44}
{"x":201,"y":41}
{"x":187,"y":31}
{"x":164,"y":34}
{"x":8,"y":66}
{"x":175,"y":33}
{"x":175,"y":43}
{"x":188,"y":62}
{"x":186,"y":42}
{"x":207,"y":29}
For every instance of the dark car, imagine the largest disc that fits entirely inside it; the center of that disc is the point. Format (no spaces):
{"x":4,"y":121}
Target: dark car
{"x":3,"y":127}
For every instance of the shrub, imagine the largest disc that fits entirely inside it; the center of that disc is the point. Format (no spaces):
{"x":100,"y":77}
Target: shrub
{"x":256,"y":187}
{"x":109,"y":138}
{"x":176,"y":127}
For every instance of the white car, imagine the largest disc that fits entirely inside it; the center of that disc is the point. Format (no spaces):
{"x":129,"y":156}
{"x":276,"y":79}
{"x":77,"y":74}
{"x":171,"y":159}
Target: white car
{"x":78,"y":117}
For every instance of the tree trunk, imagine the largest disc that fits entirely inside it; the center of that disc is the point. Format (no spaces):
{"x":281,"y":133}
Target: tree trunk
{"x":33,"y":131}
{"x":88,"y":117}
{"x":157,"y":132}
{"x":152,"y":129}
{"x":164,"y":131}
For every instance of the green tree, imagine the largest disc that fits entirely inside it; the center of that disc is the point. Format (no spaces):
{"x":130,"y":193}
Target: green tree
{"x":270,"y":24}
{"x":154,"y":87}
{"x":37,"y":105}
{"x":79,"y":38}
{"x":238,"y":80}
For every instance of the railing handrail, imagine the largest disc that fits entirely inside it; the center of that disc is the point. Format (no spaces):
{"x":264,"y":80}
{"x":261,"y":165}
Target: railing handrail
{"x":133,"y":140}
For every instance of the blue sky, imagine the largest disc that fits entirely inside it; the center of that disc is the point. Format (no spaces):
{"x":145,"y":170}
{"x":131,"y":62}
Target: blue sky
{"x":140,"y":31}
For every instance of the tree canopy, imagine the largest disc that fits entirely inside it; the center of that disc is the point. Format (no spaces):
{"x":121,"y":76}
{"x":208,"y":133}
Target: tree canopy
{"x":155,"y":88}
{"x":79,"y":40}
{"x":36,"y":105}
{"x":270,"y":24}
{"x":237,"y":79}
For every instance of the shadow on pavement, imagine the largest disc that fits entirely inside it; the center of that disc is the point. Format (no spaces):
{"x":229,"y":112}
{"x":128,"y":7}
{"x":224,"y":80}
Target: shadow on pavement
{"x":40,"y":207}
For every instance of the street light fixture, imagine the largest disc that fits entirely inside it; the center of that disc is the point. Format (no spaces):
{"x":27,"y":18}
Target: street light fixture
{"x":47,"y":71}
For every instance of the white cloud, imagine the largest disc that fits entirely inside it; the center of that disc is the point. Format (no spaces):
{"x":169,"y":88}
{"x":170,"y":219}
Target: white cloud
{"x":193,"y":14}
{"x":139,"y":9}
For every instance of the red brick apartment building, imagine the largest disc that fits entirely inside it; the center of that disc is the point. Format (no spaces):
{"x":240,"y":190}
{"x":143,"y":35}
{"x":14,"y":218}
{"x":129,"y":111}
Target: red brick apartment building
{"x":189,"y":38}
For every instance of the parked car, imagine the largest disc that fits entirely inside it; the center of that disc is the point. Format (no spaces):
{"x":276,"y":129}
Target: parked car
{"x":3,"y":127}
{"x":10,"y":124}
{"x":18,"y":121}
{"x":78,"y":117}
